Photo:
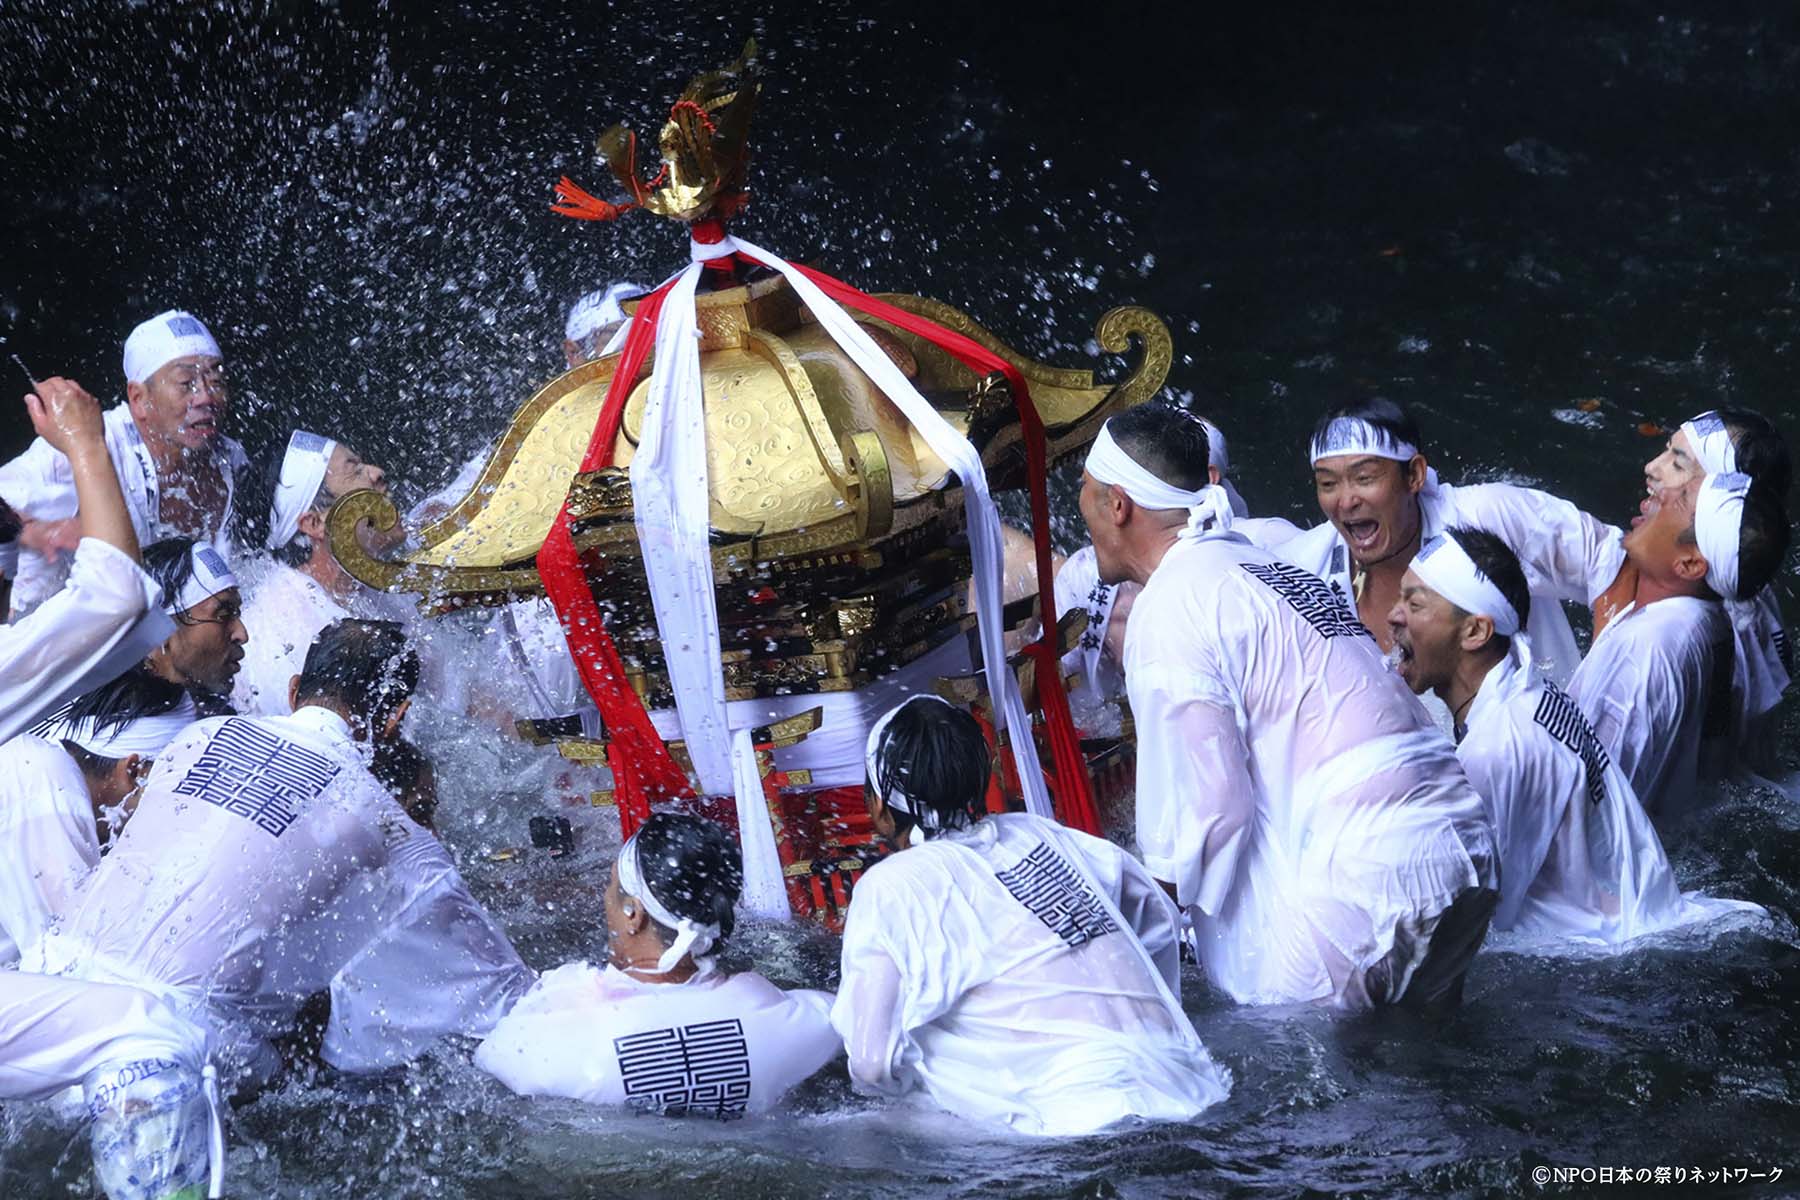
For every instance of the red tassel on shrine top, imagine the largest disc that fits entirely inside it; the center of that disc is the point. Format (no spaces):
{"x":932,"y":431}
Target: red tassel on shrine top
{"x":573,"y":201}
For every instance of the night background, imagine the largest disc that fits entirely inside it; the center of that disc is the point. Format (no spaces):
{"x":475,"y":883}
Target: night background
{"x":1554,"y":230}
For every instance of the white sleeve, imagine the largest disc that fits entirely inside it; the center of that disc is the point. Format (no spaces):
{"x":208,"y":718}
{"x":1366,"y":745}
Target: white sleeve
{"x":48,"y":854}
{"x":870,"y":1010}
{"x":1195,"y":796}
{"x":32,"y":483}
{"x":439,"y":966}
{"x":57,"y":1031}
{"x":107,"y":617}
{"x":1566,"y":552}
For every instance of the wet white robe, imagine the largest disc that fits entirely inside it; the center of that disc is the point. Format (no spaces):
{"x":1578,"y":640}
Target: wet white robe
{"x":440,"y":964}
{"x":1078,"y":586}
{"x":1580,"y":860}
{"x":40,"y":485}
{"x":283,"y":613}
{"x":55,"y":1033}
{"x":1023,"y":974}
{"x":108,"y":617}
{"x":244,"y":829}
{"x":1566,"y":554}
{"x":1289,"y":785}
{"x":715,"y":1046}
{"x":1646,"y":686}
{"x":48,"y":840}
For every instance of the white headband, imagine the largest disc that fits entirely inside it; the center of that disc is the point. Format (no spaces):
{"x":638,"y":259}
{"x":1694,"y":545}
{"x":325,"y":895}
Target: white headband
{"x":691,"y":937}
{"x":597,"y":310}
{"x":163,"y":339}
{"x":1718,"y":529}
{"x":1353,"y":435}
{"x":302,"y":475}
{"x":209,"y":577}
{"x":146,"y":735}
{"x":872,"y":753}
{"x":1447,"y":569}
{"x":1712,"y":445}
{"x":1209,"y":508}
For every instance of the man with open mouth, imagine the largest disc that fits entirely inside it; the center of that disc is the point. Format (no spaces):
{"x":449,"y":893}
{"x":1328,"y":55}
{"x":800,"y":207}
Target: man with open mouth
{"x":177,"y":468}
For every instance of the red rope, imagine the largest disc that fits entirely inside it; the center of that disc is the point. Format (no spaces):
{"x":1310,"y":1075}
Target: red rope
{"x":643,"y":769}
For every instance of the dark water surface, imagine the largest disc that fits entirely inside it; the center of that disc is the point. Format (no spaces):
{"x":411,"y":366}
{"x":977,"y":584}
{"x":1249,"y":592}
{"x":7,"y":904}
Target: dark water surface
{"x":1499,"y":214}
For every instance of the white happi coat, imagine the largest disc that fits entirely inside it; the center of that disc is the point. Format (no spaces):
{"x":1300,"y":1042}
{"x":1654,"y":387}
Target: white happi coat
{"x":245,"y":828}
{"x":107,"y":618}
{"x":715,"y":1046}
{"x":49,"y":843}
{"x":1078,"y":586}
{"x":1579,"y":858}
{"x":1289,"y":785}
{"x":1566,"y":554}
{"x":55,"y":1033}
{"x":283,"y":613}
{"x":439,"y":964}
{"x":1022,"y":974}
{"x":1646,"y":687}
{"x":40,"y":485}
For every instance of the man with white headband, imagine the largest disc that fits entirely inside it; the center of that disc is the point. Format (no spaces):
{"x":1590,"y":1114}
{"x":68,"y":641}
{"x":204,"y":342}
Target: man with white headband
{"x":661,"y":1029}
{"x":593,"y":320}
{"x":1382,"y":501}
{"x":1580,"y":860}
{"x":1291,"y":792}
{"x":66,"y":789}
{"x":1098,"y":656}
{"x":1734,"y":441}
{"x":174,"y":463}
{"x":108,"y":617}
{"x":305,"y":589}
{"x":1655,"y":683}
{"x":250,"y":832}
{"x":200,"y":594}
{"x":1018,"y":972}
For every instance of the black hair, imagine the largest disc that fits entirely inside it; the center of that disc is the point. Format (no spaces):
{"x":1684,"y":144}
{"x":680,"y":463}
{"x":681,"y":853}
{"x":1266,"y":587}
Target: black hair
{"x":1760,"y":450}
{"x":1762,"y":538}
{"x":935,"y":755}
{"x":366,"y":666}
{"x":1166,"y":440}
{"x":171,"y":563}
{"x":1393,"y":423}
{"x":694,"y":867}
{"x":397,"y":766}
{"x":257,"y":486}
{"x":113,"y":705}
{"x":1496,"y":560}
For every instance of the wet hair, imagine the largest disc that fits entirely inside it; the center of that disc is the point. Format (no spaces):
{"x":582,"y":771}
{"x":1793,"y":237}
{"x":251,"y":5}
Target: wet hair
{"x":397,"y":766}
{"x":1761,"y":451}
{"x":1763,"y":538}
{"x":171,"y":563}
{"x":1386,"y":416}
{"x":935,"y":755}
{"x":1166,"y":440}
{"x":1496,"y":560}
{"x":366,"y":666}
{"x":257,"y":485}
{"x":11,"y":524}
{"x":113,"y":705}
{"x":694,"y":867}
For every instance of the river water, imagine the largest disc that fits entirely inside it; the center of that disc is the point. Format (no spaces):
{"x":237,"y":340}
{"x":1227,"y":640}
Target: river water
{"x":1545,"y":227}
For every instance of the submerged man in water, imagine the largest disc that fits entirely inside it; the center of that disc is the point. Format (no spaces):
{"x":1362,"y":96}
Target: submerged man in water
{"x":1579,"y":857}
{"x":1729,"y":442}
{"x":661,"y":1029}
{"x":1382,"y":501}
{"x":1647,"y":683}
{"x":1290,"y":790}
{"x":1019,"y":972}
{"x":175,"y":465}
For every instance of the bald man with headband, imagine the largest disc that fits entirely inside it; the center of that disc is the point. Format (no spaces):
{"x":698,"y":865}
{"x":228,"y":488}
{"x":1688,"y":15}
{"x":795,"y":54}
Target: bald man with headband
{"x":1291,"y":792}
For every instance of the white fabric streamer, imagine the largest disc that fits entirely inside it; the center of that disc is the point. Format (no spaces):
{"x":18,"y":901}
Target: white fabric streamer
{"x":691,"y":937}
{"x":146,"y":735}
{"x":1353,"y":435}
{"x":1209,"y":508}
{"x":1449,"y":571}
{"x":209,"y":576}
{"x":302,"y":475}
{"x":1718,"y":526}
{"x":765,"y":884}
{"x":163,"y":339}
